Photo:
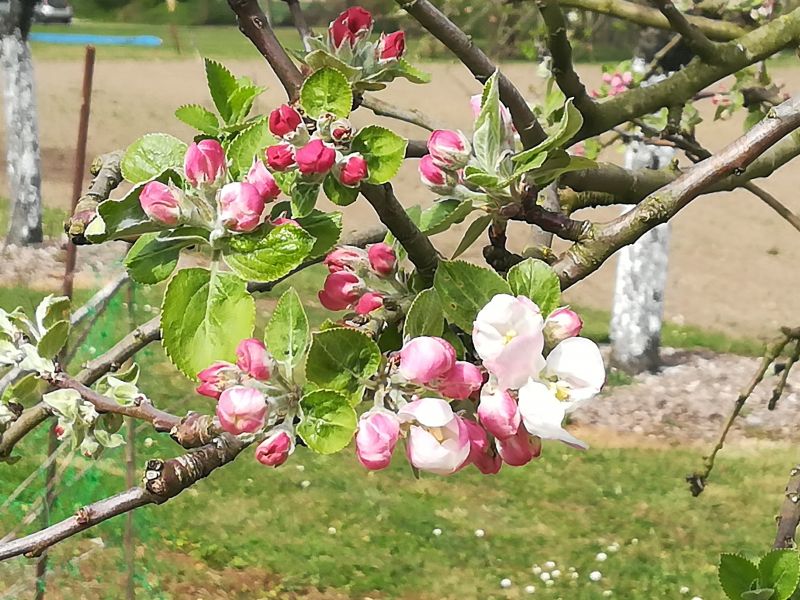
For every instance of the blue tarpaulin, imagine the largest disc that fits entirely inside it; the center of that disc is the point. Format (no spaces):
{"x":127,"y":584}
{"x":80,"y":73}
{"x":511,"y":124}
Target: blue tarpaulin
{"x":96,"y":40}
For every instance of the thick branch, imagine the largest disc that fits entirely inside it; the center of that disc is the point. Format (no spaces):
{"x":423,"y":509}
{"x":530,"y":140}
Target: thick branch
{"x":587,"y":255}
{"x":720,"y":31}
{"x":561,"y":53}
{"x":163,"y":480}
{"x":253,"y":24}
{"x":695,"y":39}
{"x":789,"y":516}
{"x":460,"y":44}
{"x":697,"y":75}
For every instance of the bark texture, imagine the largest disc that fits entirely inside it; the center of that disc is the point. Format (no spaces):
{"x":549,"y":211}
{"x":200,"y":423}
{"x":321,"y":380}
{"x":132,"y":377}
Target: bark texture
{"x":22,"y":137}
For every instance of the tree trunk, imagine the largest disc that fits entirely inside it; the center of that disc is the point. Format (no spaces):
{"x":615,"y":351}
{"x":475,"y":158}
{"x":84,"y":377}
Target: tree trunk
{"x":22,"y":131}
{"x":641,"y":279}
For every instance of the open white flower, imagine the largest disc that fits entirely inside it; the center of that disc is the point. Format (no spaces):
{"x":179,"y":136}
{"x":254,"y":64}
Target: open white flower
{"x":507,"y":334}
{"x":438,"y":440}
{"x":576,"y":366}
{"x":543,"y":413}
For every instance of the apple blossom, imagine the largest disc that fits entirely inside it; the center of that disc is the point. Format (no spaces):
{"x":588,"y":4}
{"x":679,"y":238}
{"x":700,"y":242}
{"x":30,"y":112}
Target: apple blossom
{"x":449,"y":149}
{"x":350,"y":26}
{"x":252,"y":358}
{"x":315,"y":157}
{"x":438,"y":439}
{"x":283,"y":220}
{"x":505,"y":116}
{"x":161,"y":203}
{"x":519,"y":449}
{"x":382,"y":258}
{"x":461,"y":381}
{"x":213,"y":379}
{"x":425,"y":359}
{"x":369,"y":302}
{"x":284,"y":120}
{"x":577,"y":367}
{"x":280,"y":156}
{"x":543,"y":413}
{"x":378,"y":432}
{"x":498,"y":412}
{"x":262,"y":179}
{"x":204,"y":162}
{"x":341,"y":130}
{"x":275,"y":449}
{"x":340,"y":290}
{"x":434,"y":177}
{"x":481,"y":452}
{"x":241,"y":410}
{"x":507,"y":335}
{"x":343,"y":258}
{"x":562,"y":323}
{"x":353,"y":170}
{"x":391,"y":46}
{"x":241,"y":207}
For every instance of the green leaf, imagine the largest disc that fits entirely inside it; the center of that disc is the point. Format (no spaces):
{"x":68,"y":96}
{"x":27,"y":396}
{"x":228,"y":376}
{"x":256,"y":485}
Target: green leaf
{"x":473,"y":232}
{"x":410,"y":72}
{"x":328,"y":422}
{"x":736,"y":575}
{"x":319,"y":59}
{"x":326,"y":229}
{"x":338,"y":193}
{"x":443,"y":214}
{"x":287,"y":332}
{"x":488,"y":138}
{"x":151,"y":259}
{"x":342,"y":359}
{"x":241,"y":101}
{"x":559,"y":162}
{"x":780,"y":570}
{"x":51,"y":310}
{"x":198,"y":117}
{"x":247,"y":144}
{"x":536,"y":280}
{"x":25,"y":391}
{"x":425,"y":316}
{"x":759,"y":594}
{"x":570,"y":123}
{"x":119,"y":219}
{"x":464,"y":289}
{"x":383,"y":150}
{"x":151,"y":155}
{"x":221,"y":85}
{"x":204,"y":317}
{"x":53,"y":340}
{"x":304,"y":198}
{"x":326,"y":91}
{"x":268,"y":254}
{"x":481,"y":178}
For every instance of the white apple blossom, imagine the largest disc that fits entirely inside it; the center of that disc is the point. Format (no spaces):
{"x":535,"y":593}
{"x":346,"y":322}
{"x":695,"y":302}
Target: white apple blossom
{"x":438,"y":440}
{"x":543,"y":413}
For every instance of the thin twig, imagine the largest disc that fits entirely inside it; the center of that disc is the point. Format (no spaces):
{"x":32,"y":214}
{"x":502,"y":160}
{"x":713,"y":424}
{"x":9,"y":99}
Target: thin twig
{"x":386,"y":109}
{"x":694,"y":37}
{"x":794,"y":355}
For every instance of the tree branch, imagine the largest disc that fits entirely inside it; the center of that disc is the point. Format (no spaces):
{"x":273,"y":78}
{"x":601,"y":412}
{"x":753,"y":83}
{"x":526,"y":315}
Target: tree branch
{"x":253,"y":24}
{"x":385,"y":109}
{"x":460,"y":44}
{"x":100,"y":300}
{"x":720,"y":31}
{"x":586,"y":255}
{"x":695,"y":39}
{"x":300,"y":22}
{"x":789,"y":516}
{"x":107,"y":176}
{"x":561,"y":52}
{"x":163,"y":480}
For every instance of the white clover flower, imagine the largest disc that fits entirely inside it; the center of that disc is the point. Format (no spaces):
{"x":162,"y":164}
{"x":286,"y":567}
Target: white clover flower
{"x":300,"y":468}
{"x":305,"y":483}
{"x":505,"y":583}
{"x":684,"y":590}
{"x":536,"y":569}
{"x":613,"y":547}
{"x":574,"y":575}
{"x":530,"y":589}
{"x":607,"y":593}
{"x":595,"y":575}
{"x":549,"y":583}
{"x":635,"y":541}
{"x":549,"y":565}
{"x":555,"y":573}
{"x":479,"y":533}
{"x":601,"y":557}
{"x":545,"y":576}
{"x":437,"y":532}
{"x":332,"y":530}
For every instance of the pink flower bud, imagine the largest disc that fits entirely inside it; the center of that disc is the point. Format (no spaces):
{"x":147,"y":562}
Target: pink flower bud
{"x":378,"y":432}
{"x":341,"y":130}
{"x":481,"y":452}
{"x":382,"y":258}
{"x":350,"y":26}
{"x":391,"y":47}
{"x":578,"y":149}
{"x":627,"y":78}
{"x":284,"y":120}
{"x":353,"y":170}
{"x":519,"y":449}
{"x":449,"y":149}
{"x":160,"y":203}
{"x":275,"y":449}
{"x":241,"y":207}
{"x":59,"y":431}
{"x":426,"y":359}
{"x":434,"y":177}
{"x":252,"y":358}
{"x":498,"y":412}
{"x":505,"y":114}
{"x":460,"y":381}
{"x":561,"y":324}
{"x":607,"y":77}
{"x":341,"y":290}
{"x":213,"y":379}
{"x":263,"y":180}
{"x":241,"y":410}
{"x":204,"y":162}
{"x":280,"y":156}
{"x":350,"y":258}
{"x":282,"y":220}
{"x":315,"y":157}
{"x":369,"y":302}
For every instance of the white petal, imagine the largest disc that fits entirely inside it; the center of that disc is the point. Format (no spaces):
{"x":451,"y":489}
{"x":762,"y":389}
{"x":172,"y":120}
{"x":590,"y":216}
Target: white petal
{"x":542,"y":414}
{"x":519,"y":361}
{"x":577,"y":361}
{"x":430,"y":412}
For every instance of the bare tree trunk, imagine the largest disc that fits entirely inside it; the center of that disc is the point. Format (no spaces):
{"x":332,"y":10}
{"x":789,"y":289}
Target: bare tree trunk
{"x":22,"y":131}
{"x":641,"y":280}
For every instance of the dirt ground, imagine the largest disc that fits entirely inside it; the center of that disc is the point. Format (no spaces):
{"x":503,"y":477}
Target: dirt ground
{"x":734,"y":261}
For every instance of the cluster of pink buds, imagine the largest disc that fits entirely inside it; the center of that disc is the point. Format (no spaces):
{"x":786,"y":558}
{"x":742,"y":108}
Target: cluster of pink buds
{"x":356,"y":277}
{"x":353,"y":26}
{"x":441,"y":169}
{"x":614,"y":83}
{"x":431,"y":362}
{"x":314,"y":155}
